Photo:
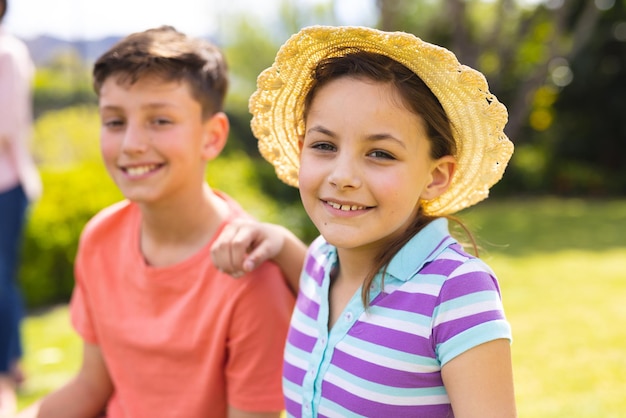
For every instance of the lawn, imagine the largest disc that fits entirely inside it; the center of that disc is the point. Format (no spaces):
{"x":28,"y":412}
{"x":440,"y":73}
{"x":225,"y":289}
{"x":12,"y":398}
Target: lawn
{"x":562,"y":269}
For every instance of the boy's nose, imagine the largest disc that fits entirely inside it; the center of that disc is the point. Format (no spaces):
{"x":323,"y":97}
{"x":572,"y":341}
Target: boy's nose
{"x":135,"y":139}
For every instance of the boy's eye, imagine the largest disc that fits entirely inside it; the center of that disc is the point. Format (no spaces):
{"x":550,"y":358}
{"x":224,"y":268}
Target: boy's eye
{"x":381,"y":154}
{"x":161,"y":121}
{"x":113,"y":123}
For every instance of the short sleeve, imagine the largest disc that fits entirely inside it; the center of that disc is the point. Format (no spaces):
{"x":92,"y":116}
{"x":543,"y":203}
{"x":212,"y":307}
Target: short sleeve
{"x":469,"y":311}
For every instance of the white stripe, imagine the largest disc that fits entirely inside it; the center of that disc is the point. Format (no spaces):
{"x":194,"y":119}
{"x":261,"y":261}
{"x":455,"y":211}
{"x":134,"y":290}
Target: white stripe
{"x":310,"y":290}
{"x":294,"y":396}
{"x":384,"y":361}
{"x":297,"y":324}
{"x":397,"y":324}
{"x":296,"y":361}
{"x":421,"y":288}
{"x":386,"y":399}
{"x":464,"y":311}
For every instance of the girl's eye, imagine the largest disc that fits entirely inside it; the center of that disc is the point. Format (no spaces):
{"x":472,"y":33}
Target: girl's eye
{"x":381,"y":154}
{"x":323,"y":146}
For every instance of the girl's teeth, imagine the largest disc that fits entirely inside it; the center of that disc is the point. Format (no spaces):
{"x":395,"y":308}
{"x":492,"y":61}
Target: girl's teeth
{"x":345,"y":207}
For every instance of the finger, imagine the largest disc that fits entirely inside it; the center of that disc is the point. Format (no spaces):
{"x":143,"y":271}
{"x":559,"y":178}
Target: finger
{"x":221,"y":249}
{"x":257,"y":255}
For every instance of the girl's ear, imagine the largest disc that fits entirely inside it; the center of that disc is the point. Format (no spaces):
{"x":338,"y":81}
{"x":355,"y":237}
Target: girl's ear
{"x":441,"y":175}
{"x":215,"y":134}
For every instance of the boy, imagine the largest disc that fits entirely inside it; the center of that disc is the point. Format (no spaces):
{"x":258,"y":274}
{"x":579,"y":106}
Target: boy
{"x":165,"y":333}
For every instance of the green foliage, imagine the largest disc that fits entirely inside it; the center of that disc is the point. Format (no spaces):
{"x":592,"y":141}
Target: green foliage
{"x":64,"y":82}
{"x":71,"y":197}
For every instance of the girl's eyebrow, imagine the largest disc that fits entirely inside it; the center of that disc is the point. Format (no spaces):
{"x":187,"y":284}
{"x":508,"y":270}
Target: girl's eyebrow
{"x":374,"y":137}
{"x":322,"y":130}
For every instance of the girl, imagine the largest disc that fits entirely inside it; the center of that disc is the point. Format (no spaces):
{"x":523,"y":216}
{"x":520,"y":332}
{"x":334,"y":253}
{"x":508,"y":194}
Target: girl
{"x":385,"y":135}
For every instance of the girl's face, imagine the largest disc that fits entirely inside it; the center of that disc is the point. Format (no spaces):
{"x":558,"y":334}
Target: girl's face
{"x":365,"y":164}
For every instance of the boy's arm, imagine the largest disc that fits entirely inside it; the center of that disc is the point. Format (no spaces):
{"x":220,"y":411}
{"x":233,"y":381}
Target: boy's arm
{"x":86,"y":395}
{"x":244,"y":244}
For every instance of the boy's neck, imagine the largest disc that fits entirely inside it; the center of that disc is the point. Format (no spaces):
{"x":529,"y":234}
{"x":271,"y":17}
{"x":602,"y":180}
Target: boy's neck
{"x":172,"y":234}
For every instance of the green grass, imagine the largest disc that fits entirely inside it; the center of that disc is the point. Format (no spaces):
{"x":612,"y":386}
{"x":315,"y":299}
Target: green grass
{"x":562,"y":269}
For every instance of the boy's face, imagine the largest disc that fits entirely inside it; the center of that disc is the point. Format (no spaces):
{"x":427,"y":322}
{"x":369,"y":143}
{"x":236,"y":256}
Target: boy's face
{"x":153,"y":139}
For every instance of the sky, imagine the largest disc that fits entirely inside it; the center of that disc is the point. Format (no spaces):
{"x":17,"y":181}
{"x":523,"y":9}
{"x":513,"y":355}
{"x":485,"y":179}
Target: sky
{"x":93,"y":19}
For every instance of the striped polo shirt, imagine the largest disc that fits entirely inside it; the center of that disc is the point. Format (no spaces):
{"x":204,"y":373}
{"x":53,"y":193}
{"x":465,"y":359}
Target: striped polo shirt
{"x":437,"y":303}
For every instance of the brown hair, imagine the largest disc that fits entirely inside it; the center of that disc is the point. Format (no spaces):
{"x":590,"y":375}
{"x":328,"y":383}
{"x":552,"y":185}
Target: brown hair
{"x":171,"y":55}
{"x":418,"y":98}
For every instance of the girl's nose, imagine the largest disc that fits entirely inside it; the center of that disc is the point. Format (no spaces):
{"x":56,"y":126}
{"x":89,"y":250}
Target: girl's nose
{"x":345,"y":173}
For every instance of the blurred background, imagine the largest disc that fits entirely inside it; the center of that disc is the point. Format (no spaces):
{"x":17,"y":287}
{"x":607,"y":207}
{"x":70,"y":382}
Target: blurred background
{"x":554,"y":229}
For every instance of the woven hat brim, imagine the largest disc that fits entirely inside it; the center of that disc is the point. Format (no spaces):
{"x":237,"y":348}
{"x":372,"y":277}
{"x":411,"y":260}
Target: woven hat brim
{"x":478,"y":118}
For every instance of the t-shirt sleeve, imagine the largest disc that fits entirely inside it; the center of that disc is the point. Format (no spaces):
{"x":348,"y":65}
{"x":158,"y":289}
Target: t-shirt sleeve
{"x":469,"y":312}
{"x":257,"y":340}
{"x":79,"y":308}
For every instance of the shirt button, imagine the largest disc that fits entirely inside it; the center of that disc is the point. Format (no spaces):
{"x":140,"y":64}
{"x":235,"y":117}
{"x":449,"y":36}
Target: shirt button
{"x":348,"y":316}
{"x":323,"y":341}
{"x":312,"y":372}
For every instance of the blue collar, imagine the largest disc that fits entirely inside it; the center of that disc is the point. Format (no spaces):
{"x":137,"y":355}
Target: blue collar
{"x":421,"y":249}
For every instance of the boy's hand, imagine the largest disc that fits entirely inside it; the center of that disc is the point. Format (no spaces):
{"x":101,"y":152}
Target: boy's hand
{"x":244,"y":244}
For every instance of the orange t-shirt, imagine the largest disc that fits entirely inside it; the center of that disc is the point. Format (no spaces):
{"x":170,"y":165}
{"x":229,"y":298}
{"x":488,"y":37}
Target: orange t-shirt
{"x":181,"y":341}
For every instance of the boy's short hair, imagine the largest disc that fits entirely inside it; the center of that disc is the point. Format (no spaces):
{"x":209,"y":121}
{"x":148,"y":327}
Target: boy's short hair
{"x":170,"y":55}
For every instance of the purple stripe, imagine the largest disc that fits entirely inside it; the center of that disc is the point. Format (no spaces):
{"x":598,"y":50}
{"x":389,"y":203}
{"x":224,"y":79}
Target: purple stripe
{"x":314,"y":270}
{"x":300,"y":340}
{"x":441,"y":267}
{"x":370,"y":408}
{"x":397,"y":340}
{"x":443,"y":332}
{"x":307,"y":306}
{"x":384,"y":375}
{"x":473,"y":282}
{"x":293,"y":408}
{"x":293,"y":374}
{"x":418,"y":303}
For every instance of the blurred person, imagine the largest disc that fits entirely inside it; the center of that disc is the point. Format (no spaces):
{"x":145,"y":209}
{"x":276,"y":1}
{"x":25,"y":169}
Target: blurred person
{"x":165,"y":334}
{"x":19,"y":184}
{"x":386,"y":136}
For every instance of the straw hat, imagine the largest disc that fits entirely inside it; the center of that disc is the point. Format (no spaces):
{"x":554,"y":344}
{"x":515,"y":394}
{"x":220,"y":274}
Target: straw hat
{"x":478,"y":118}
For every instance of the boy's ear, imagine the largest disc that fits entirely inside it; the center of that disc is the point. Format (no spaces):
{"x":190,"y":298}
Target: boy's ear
{"x":215,"y":134}
{"x":441,"y":175}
